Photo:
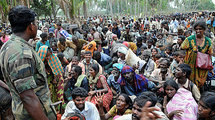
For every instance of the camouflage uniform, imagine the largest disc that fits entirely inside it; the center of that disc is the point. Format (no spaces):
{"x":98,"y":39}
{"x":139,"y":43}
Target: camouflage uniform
{"x":23,"y":70}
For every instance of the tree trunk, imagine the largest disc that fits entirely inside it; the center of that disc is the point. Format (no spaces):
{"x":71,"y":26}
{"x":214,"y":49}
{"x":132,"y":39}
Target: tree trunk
{"x":118,"y":6}
{"x":135,"y":8}
{"x":138,"y":8}
{"x":4,"y":17}
{"x":122,"y":8}
{"x":28,"y":3}
{"x":85,"y":9}
{"x":127,"y":6}
{"x":130,"y":8}
{"x":53,"y":10}
{"x":146,"y":7}
{"x":111,"y":9}
{"x":79,"y":14}
{"x":107,"y":7}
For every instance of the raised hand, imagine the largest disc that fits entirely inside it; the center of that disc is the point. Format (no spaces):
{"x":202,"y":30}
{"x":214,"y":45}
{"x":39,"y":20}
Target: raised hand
{"x":148,"y":112}
{"x":99,"y":98}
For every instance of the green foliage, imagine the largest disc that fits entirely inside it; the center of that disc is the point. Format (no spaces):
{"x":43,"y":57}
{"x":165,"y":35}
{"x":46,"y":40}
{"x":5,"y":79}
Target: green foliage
{"x":41,"y":7}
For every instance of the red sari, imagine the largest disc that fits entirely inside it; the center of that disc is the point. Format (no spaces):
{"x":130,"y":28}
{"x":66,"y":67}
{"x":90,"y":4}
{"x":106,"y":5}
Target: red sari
{"x":107,"y":98}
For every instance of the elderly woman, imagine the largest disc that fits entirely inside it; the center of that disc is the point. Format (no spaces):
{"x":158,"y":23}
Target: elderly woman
{"x":113,"y":81}
{"x":192,"y":45}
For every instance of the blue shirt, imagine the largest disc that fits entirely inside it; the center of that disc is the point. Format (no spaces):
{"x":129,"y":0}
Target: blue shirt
{"x":105,"y":59}
{"x":39,"y":44}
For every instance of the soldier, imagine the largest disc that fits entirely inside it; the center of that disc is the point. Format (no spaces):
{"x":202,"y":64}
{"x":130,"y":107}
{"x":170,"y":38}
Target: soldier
{"x":23,"y":69}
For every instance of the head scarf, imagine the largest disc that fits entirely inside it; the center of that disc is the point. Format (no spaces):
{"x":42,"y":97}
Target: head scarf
{"x":139,"y":80}
{"x":122,"y":50}
{"x":54,"y":63}
{"x":118,"y":66}
{"x":92,"y":48}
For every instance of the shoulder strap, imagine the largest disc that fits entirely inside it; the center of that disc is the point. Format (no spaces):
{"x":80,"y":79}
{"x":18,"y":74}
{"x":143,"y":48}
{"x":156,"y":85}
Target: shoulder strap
{"x":191,"y":84}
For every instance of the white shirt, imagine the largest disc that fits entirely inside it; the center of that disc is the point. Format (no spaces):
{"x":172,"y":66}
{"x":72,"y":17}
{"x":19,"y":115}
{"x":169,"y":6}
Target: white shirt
{"x":125,"y":117}
{"x":90,"y":111}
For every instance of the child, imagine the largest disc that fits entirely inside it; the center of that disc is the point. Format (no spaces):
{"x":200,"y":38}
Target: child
{"x":178,"y":59}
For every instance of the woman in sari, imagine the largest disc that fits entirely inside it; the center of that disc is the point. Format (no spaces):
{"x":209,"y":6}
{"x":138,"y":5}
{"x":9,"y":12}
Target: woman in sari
{"x":182,"y":106}
{"x":192,"y":45}
{"x":122,"y":107}
{"x":54,"y":73}
{"x":90,"y":47}
{"x":98,"y":84}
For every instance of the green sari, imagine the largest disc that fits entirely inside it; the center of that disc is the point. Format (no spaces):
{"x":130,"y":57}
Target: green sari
{"x":198,"y":76}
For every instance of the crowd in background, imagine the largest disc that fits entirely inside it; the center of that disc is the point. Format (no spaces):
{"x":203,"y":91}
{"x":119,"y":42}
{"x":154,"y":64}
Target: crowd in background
{"x":109,"y":68}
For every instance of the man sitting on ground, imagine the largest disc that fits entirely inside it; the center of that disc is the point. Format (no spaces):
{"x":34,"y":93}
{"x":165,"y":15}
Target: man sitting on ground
{"x":79,"y":105}
{"x":132,"y":83}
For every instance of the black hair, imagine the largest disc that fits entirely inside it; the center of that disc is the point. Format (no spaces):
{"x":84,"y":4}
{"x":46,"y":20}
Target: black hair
{"x":79,"y":91}
{"x":104,"y":30}
{"x":141,"y":100}
{"x":59,"y":24}
{"x":75,"y":57}
{"x":150,"y":41}
{"x":104,"y":43}
{"x":208,"y":99}
{"x":20,"y":17}
{"x":62,"y":39}
{"x":187,"y":32}
{"x":158,"y":56}
{"x":60,"y":55}
{"x":114,"y":23}
{"x":165,"y":59}
{"x":164,"y":22}
{"x":201,"y":24}
{"x":179,"y":52}
{"x":87,"y":52}
{"x":96,"y":54}
{"x":77,"y":69}
{"x":139,"y":39}
{"x":43,"y":35}
{"x":127,"y":100}
{"x":152,"y":97}
{"x":171,"y":83}
{"x":154,"y":49}
{"x":185,"y":69}
{"x":95,"y":68}
{"x":182,"y":37}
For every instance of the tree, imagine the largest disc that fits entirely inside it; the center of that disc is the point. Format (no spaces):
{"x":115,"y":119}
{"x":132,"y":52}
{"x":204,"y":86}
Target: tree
{"x":4,"y":7}
{"x":42,"y":7}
